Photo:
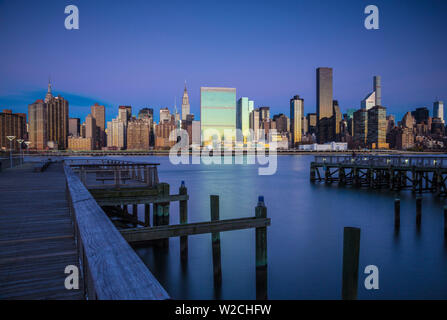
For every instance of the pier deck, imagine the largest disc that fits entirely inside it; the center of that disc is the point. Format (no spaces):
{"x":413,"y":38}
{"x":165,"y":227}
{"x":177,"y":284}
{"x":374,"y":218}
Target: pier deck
{"x":36,"y":234}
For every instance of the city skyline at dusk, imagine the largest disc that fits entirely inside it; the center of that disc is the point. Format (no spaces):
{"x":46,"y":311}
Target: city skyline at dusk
{"x":141,"y":55}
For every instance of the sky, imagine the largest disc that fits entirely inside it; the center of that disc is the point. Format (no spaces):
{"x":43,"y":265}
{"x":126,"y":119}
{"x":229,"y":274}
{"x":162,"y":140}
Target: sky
{"x":140,"y":53}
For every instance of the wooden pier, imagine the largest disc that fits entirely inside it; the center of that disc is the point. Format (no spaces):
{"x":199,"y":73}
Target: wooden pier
{"x":37,"y":239}
{"x":63,"y":215}
{"x":418,"y":174}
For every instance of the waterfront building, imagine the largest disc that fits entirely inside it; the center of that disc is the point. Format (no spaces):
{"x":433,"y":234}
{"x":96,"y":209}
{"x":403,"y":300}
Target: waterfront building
{"x":185,"y":104}
{"x":11,"y":124}
{"x":57,"y":112}
{"x":329,"y":146}
{"x":124,"y":114}
{"x":438,"y":110}
{"x":336,"y":121}
{"x":324,"y":103}
{"x":282,"y":123}
{"x":196,"y":134}
{"x":99,"y":114}
{"x":38,"y":125}
{"x":217,"y":113}
{"x":162,"y":132}
{"x":264,"y":113}
{"x":138,"y":134}
{"x":74,"y":127}
{"x":244,"y":108}
{"x":377,"y":125}
{"x":116,"y":134}
{"x":91,"y":130}
{"x":255,"y":124}
{"x":296,"y":114}
{"x":76,"y":143}
{"x":360,"y":127}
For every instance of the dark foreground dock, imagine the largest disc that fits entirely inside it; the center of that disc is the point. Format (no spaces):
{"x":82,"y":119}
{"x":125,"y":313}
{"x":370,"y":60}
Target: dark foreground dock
{"x":37,"y":237}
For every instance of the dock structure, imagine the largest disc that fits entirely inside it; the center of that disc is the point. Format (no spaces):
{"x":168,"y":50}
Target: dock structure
{"x":62,"y":216}
{"x":418,"y":174}
{"x":37,"y":238}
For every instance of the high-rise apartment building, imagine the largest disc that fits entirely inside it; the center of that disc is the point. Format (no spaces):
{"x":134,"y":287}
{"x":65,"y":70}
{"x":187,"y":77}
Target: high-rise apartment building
{"x":91,"y":130}
{"x":99,"y":114}
{"x":324,"y":103}
{"x":296,"y":109}
{"x":57,"y":113}
{"x":165,"y":115}
{"x":217,"y":114}
{"x":138,"y":134}
{"x":38,"y":125}
{"x":336,"y":119}
{"x":11,"y":124}
{"x":255,"y":124}
{"x":378,"y":90}
{"x":421,"y":115}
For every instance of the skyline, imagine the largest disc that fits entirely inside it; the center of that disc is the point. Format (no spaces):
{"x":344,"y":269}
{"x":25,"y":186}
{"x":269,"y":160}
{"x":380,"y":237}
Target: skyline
{"x":259,"y":59}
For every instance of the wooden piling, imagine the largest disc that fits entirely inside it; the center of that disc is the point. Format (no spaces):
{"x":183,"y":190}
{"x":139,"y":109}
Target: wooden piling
{"x":135,"y":212}
{"x":445,"y":222}
{"x":147,"y":215}
{"x":396,"y":213}
{"x":351,"y":251}
{"x":183,"y":205}
{"x":418,"y":210}
{"x":215,"y":239}
{"x":261,"y":252}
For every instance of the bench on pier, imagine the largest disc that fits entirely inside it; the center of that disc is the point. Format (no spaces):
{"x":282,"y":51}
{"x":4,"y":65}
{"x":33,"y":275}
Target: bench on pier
{"x":42,"y":166}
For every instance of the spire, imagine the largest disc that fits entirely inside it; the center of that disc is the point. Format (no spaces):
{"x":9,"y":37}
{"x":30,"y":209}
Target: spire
{"x":185,"y":87}
{"x":49,"y":95}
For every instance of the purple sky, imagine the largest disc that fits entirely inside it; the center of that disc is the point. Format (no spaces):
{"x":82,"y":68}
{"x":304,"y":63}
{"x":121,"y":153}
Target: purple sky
{"x":140,"y":53}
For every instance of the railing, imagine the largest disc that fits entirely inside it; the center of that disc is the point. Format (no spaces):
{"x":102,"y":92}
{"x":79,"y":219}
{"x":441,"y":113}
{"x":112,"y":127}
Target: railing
{"x":107,"y":173}
{"x":5,"y":162}
{"x":397,"y":161}
{"x":110,"y":268}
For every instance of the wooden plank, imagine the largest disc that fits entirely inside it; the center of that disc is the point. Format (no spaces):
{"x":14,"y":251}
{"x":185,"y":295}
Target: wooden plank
{"x":115,"y":270}
{"x":162,"y":232}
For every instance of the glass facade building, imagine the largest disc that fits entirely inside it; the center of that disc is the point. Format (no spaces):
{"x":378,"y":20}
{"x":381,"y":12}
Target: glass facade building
{"x":217,"y":113}
{"x":244,"y":108}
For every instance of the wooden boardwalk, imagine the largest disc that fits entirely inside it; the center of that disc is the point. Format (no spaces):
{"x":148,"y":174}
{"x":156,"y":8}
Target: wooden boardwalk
{"x":36,"y":235}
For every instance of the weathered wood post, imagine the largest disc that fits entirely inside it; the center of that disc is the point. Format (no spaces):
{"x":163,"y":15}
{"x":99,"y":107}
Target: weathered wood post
{"x":147,"y":215}
{"x":418,"y":210}
{"x":396,"y":213}
{"x":445,"y":222}
{"x":183,"y":205}
{"x":135,"y":213}
{"x":351,"y":251}
{"x":215,"y":240}
{"x":261,"y":252}
{"x":312,"y":172}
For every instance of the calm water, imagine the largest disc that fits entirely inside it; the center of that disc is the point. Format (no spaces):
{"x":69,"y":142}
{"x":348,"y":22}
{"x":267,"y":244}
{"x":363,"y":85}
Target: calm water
{"x":305,"y":239}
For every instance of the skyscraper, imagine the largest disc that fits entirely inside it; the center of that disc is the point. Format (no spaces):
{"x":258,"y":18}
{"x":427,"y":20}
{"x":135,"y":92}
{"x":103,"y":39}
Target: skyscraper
{"x":378,"y":90}
{"x":90,"y":130}
{"x":377,"y":125}
{"x":296,"y":109}
{"x":57,"y":112}
{"x":438,"y":110}
{"x":185,"y":104}
{"x":217,"y":113}
{"x":244,"y":108}
{"x":99,"y":114}
{"x":38,"y":125}
{"x":324,"y":103}
{"x":361,"y":127}
{"x":74,"y":127}
{"x":255,"y":124}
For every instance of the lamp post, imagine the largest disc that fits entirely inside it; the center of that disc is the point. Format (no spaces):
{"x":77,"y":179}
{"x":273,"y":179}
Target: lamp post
{"x":10,"y":138}
{"x":27,"y":146}
{"x":20,"y":141}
